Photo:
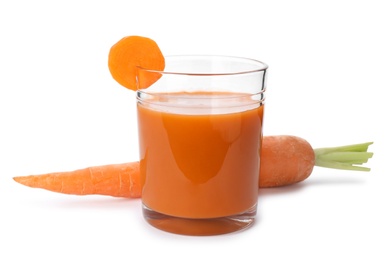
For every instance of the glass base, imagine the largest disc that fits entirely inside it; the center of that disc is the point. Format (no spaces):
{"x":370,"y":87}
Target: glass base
{"x":200,"y":227}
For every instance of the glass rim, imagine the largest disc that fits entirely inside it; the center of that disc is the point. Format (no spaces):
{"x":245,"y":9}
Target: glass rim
{"x":261,"y":66}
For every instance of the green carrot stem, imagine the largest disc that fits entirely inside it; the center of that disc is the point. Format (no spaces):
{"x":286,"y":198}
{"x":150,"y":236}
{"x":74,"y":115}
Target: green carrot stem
{"x":344,"y":157}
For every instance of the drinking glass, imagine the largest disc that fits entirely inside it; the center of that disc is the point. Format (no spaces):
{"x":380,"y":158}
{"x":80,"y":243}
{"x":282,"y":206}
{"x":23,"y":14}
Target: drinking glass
{"x":200,"y":132}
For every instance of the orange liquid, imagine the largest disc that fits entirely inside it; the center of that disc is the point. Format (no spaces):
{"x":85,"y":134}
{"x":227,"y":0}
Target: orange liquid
{"x":200,"y":163}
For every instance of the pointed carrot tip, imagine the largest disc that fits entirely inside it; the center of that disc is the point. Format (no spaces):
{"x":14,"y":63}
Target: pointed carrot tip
{"x":21,"y":180}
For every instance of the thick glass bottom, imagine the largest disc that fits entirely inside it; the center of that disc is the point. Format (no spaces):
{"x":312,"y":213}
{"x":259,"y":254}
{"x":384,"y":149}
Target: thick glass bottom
{"x":200,"y":227}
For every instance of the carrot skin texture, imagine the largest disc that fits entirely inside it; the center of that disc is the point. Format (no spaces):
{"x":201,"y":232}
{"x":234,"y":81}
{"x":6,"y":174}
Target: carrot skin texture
{"x":285,"y":160}
{"x":117,"y":180}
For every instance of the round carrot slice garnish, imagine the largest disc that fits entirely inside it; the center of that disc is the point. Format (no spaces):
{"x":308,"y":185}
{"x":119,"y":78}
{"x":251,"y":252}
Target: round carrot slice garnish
{"x":131,"y":52}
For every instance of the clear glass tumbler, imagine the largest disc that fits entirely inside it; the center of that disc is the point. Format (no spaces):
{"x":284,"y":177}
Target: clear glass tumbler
{"x":200,"y":133}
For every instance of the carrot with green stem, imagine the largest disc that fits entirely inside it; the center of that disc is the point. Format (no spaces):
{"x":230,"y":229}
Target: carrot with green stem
{"x":285,"y":160}
{"x":289,"y":159}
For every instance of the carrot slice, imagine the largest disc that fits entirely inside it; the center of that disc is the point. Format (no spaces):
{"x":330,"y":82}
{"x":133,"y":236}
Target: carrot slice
{"x":131,"y":52}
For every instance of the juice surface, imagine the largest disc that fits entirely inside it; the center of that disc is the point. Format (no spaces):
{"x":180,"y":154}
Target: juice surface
{"x":200,"y":163}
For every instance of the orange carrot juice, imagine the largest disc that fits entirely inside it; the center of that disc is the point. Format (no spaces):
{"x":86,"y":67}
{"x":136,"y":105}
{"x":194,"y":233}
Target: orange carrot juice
{"x":200,"y":161}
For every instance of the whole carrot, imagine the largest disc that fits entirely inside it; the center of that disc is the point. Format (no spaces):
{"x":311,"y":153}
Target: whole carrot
{"x":285,"y":160}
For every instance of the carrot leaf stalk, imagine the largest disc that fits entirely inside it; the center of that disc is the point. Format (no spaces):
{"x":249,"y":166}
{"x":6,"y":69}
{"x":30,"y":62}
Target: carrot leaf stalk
{"x":347,"y":157}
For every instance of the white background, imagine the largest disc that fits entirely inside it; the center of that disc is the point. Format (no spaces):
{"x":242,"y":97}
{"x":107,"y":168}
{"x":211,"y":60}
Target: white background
{"x":61,"y":110}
